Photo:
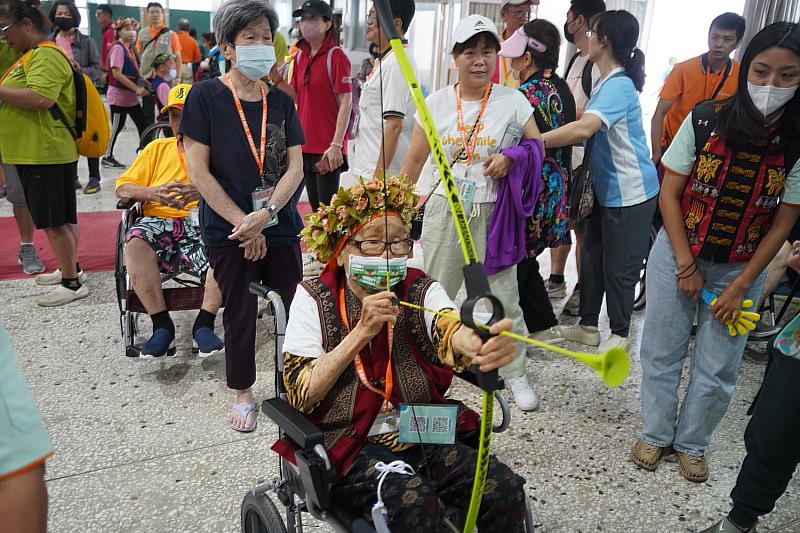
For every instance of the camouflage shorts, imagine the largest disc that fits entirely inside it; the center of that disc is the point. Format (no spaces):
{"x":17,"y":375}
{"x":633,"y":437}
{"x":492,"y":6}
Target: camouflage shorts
{"x":176,"y":242}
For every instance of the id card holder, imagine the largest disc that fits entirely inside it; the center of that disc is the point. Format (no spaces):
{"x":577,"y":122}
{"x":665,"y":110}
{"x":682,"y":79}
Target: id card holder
{"x":466,"y":187}
{"x":428,"y":424}
{"x":194,"y":216}
{"x":261,"y":200}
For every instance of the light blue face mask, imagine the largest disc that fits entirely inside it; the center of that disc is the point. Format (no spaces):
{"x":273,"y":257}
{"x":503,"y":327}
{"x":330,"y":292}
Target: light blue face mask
{"x":255,"y":61}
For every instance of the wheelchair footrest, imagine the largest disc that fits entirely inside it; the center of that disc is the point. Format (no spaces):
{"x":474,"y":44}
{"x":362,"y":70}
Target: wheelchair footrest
{"x":176,"y":298}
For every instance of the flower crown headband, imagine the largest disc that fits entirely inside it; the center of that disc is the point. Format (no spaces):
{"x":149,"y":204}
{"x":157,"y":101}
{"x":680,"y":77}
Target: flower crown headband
{"x":328,"y":228}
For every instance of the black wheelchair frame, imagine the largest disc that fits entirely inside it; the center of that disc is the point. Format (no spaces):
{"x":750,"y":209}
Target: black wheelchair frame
{"x":306,"y":486}
{"x":187,"y":296}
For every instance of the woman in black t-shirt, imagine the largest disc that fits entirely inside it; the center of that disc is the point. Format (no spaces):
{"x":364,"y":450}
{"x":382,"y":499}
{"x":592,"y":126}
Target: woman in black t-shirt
{"x":246,"y":177}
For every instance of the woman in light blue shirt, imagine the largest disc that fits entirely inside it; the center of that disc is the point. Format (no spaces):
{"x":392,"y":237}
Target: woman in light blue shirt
{"x":623,"y":177}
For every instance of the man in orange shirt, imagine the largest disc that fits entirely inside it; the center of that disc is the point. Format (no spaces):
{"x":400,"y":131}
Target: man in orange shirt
{"x":190,"y":51}
{"x":713,"y":75}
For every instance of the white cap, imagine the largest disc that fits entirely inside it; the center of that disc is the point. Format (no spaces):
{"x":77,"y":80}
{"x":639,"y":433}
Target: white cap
{"x":473,"y":25}
{"x":516,"y":2}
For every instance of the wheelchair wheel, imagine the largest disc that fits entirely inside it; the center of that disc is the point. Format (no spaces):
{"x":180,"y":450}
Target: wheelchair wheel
{"x":159,"y":130}
{"x":119,"y":265}
{"x":640,"y":296}
{"x":259,"y":515}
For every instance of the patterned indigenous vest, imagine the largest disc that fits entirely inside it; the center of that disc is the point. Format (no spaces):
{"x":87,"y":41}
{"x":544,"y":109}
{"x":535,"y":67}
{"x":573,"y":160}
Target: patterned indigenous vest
{"x":347,"y":413}
{"x":731,"y":197}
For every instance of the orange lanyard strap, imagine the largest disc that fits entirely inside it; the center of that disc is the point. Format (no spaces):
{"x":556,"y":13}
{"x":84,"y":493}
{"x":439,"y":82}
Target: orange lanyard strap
{"x":258,"y":156}
{"x":362,"y":374}
{"x":469,"y":144}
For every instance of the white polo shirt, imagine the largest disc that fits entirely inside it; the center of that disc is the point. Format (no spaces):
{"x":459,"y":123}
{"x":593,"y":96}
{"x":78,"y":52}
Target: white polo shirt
{"x":373,"y":108}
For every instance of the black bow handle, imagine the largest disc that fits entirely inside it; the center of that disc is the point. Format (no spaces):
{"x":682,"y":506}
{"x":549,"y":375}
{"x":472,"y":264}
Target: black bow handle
{"x":478,"y":290}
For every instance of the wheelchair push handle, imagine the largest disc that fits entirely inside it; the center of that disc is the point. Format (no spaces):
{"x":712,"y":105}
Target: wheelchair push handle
{"x":258,"y":289}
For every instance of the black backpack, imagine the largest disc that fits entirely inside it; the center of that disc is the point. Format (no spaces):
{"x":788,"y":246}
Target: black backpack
{"x":704,"y":120}
{"x":586,"y":75}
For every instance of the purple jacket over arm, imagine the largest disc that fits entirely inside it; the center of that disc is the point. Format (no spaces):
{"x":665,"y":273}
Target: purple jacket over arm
{"x":516,"y":199}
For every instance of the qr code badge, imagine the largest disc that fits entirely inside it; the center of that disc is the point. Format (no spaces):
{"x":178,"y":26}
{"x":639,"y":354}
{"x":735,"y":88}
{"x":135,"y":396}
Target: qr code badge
{"x":440,"y":424}
{"x":418,"y":424}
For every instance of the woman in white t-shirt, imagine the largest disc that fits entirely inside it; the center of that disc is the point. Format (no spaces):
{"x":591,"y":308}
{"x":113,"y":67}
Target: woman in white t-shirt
{"x":471,"y":118}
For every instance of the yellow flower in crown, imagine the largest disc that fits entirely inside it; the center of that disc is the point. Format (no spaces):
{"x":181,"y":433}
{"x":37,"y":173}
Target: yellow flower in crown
{"x":329,"y":227}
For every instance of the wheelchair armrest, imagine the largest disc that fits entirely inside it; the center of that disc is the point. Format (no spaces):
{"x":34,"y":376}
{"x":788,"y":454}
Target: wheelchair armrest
{"x":126,"y":203}
{"x":296,"y":426}
{"x":469,"y":375}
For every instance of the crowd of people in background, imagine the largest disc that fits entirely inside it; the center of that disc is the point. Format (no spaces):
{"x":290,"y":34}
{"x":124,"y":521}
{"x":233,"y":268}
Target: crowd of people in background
{"x":540,"y":158}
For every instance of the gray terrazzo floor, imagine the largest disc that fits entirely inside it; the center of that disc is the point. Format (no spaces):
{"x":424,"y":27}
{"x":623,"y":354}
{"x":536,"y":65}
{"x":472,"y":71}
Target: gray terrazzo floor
{"x":144,"y":446}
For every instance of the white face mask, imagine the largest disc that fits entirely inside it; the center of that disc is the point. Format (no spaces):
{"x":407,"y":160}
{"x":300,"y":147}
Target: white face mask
{"x":172,"y":74}
{"x":768,"y":98}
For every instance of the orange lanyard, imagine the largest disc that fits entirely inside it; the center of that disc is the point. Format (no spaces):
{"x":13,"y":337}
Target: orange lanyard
{"x":362,"y":374}
{"x":469,"y":144}
{"x":7,"y":74}
{"x":258,"y":156}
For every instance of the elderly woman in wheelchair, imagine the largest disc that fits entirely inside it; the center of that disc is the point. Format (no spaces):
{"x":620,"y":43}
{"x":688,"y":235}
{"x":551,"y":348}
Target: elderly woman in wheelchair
{"x":355,"y":362}
{"x":166,"y":239}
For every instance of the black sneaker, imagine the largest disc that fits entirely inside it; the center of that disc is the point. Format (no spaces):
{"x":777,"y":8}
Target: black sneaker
{"x":92,"y":187}
{"x":110,"y":162}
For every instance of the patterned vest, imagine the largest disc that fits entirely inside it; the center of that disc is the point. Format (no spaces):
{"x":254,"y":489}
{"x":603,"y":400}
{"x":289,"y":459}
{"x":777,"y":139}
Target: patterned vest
{"x":346,"y":414}
{"x":731,"y":197}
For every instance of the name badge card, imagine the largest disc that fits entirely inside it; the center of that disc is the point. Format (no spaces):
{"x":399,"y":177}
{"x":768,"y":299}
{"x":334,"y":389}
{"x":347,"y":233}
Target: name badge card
{"x":428,"y":424}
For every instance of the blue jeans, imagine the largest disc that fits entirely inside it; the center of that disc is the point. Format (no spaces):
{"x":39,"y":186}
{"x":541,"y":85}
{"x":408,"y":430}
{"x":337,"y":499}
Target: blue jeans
{"x":665,"y":341}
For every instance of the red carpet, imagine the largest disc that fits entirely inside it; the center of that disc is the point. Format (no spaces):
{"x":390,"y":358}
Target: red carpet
{"x":96,"y":249}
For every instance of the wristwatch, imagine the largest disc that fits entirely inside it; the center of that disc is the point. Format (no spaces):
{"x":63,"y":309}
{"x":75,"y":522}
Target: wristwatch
{"x":272,"y":210}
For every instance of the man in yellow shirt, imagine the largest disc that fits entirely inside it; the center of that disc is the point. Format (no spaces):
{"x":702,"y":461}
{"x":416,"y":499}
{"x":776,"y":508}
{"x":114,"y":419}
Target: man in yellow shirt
{"x":167,"y":238}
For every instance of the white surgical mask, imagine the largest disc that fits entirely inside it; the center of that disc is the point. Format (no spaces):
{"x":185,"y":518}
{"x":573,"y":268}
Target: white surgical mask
{"x":768,"y":98}
{"x":255,"y":61}
{"x":172,"y":74}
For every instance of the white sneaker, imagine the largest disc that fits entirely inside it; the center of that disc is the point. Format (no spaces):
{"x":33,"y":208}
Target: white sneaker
{"x":555,"y":290}
{"x":582,"y":334}
{"x":616,"y":341}
{"x":311,"y":267}
{"x":573,"y":305}
{"x":524,"y":395}
{"x":54,"y":278}
{"x":62,"y":296}
{"x":550,"y":335}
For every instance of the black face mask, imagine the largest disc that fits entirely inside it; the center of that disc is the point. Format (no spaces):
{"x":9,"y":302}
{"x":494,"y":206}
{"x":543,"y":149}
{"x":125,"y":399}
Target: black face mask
{"x":567,"y":35}
{"x":64,"y":23}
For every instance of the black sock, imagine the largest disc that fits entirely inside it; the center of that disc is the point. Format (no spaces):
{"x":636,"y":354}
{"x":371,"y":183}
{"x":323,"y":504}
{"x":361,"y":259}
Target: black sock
{"x":162,"y":320}
{"x":71,"y":283}
{"x":77,"y":267}
{"x":204,"y":320}
{"x":556,"y":278}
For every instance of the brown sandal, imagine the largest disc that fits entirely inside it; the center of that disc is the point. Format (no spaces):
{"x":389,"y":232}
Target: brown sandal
{"x":646,"y":455}
{"x":694,"y":468}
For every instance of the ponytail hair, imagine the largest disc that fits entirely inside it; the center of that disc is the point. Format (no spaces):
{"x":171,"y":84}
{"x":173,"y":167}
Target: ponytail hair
{"x":621,"y":29}
{"x":634,"y":68}
{"x":19,"y":10}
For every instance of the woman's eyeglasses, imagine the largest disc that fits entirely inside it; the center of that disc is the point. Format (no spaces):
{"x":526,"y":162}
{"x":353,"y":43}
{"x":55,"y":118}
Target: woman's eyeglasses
{"x":374,"y":248}
{"x":4,"y":29}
